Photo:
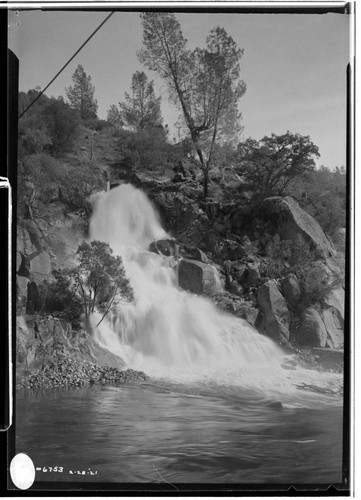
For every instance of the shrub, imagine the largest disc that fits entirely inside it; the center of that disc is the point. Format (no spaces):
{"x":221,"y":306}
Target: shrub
{"x":60,"y":298}
{"x":97,"y":124}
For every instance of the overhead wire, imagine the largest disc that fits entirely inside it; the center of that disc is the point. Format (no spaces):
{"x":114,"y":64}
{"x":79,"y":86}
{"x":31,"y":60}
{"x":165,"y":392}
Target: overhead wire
{"x":65,"y":65}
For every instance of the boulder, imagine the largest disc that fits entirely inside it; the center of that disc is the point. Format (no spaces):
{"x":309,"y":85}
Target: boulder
{"x":294,"y":221}
{"x":275,"y":316}
{"x":21,"y":294}
{"x":312,"y":331}
{"x":334,"y":324}
{"x":336,"y":299}
{"x":166,"y":247}
{"x":291,"y":290}
{"x":198,"y":277}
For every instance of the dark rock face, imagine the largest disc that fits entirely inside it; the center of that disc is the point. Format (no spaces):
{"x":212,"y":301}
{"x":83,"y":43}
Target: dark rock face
{"x":275,"y":319}
{"x":312,"y":331}
{"x":294,"y":221}
{"x":198,"y":277}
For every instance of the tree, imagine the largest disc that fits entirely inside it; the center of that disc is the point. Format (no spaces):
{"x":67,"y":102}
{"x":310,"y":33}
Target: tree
{"x":81,"y":94}
{"x":100,"y":279}
{"x":142,"y":109}
{"x":271,"y":164}
{"x":49,"y":125}
{"x":114,"y":117}
{"x":61,"y":298}
{"x":204,"y":83}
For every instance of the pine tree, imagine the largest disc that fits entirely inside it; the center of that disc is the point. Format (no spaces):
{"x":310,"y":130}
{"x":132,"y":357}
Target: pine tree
{"x":81,"y":94}
{"x":142,"y":109}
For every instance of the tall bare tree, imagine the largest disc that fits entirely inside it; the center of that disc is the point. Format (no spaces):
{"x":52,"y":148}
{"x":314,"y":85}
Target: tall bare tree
{"x":205,"y":83}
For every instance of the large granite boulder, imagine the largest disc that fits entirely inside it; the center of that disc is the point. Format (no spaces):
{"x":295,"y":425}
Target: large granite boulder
{"x":294,"y":221}
{"x":312,"y":331}
{"x":198,"y":277}
{"x":334,"y":326}
{"x":275,"y":319}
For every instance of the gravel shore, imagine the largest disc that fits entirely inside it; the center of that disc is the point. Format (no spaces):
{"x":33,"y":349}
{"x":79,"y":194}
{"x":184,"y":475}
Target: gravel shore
{"x":68,"y":372}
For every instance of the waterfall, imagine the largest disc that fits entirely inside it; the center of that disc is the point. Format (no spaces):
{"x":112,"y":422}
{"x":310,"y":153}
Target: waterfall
{"x":168,"y":332}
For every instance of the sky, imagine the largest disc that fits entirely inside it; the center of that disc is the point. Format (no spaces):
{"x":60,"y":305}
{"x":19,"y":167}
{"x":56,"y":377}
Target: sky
{"x":294,"y":66}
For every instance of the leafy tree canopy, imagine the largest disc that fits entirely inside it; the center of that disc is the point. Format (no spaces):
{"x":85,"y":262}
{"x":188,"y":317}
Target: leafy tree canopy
{"x":100,"y":278}
{"x":49,"y":125}
{"x":271,"y":164}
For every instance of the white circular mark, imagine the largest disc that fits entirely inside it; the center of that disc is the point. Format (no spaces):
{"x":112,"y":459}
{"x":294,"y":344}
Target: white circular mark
{"x":22,"y":471}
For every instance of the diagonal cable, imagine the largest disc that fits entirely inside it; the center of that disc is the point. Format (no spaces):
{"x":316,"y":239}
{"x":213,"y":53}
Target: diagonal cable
{"x":65,"y":65}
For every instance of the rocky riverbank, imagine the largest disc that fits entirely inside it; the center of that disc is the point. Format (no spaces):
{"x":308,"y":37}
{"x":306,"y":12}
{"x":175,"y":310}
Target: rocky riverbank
{"x":68,"y":372}
{"x":49,"y":354}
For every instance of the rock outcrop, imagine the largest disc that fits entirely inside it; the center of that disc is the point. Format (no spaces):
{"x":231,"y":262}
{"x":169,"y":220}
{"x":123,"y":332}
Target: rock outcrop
{"x":294,"y":221}
{"x":274,"y":319}
{"x":312,"y":331}
{"x":198,"y":277}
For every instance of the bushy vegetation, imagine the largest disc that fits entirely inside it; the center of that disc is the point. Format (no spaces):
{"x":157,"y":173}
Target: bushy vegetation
{"x":149,"y":149}
{"x":61,"y":299}
{"x":97,"y":282}
{"x":50,"y":125}
{"x":45,"y":179}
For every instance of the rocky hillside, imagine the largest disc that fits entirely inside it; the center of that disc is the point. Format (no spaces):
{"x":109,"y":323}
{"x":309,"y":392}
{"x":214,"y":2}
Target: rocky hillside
{"x":270,"y":264}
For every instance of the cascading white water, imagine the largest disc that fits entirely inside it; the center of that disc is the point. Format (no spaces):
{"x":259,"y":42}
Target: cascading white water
{"x":168,"y":332}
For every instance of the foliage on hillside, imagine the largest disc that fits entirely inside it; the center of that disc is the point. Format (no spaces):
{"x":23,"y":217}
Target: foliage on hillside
{"x":50,"y":125}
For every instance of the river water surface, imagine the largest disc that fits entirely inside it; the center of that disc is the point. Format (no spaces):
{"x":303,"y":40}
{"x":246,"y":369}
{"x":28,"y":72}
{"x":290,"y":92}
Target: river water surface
{"x":172,"y":433}
{"x":224,"y":404}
